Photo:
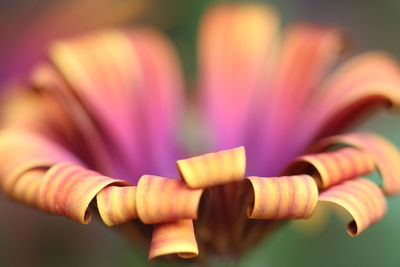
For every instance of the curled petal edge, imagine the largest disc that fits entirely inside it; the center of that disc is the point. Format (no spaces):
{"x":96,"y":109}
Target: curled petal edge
{"x":361,"y":198}
{"x":384,"y":154}
{"x":284,"y":197}
{"x":333,"y":167}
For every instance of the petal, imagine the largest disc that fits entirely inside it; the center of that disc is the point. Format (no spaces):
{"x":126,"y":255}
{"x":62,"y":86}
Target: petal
{"x":234,"y":54}
{"x":361,"y":198}
{"x":283,"y":197}
{"x":35,"y":172}
{"x":134,"y":75}
{"x":34,"y":111}
{"x":40,"y":173}
{"x":174,"y":237}
{"x":161,"y":99}
{"x":213,"y":168}
{"x":384,"y":154}
{"x":21,"y":151}
{"x":160,"y":199}
{"x":117,"y":204}
{"x":330,"y":168}
{"x":364,"y":83}
{"x":307,"y":53}
{"x":219,"y":173}
{"x":67,"y":189}
{"x":85,"y":138}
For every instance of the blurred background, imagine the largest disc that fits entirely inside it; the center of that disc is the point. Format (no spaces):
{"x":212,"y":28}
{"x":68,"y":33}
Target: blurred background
{"x":30,"y":238}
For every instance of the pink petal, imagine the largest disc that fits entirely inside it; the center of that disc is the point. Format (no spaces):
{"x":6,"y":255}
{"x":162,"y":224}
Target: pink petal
{"x":235,"y":55}
{"x":307,"y":53}
{"x":130,"y":85}
{"x":364,"y":83}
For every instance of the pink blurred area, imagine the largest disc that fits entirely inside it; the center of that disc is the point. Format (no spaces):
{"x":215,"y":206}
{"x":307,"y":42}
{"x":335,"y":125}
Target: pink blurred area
{"x":26,"y":27}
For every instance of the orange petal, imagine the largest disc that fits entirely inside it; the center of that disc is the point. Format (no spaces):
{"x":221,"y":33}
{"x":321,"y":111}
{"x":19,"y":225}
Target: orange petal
{"x":30,"y":110}
{"x":330,"y":168}
{"x":102,"y":71}
{"x":359,"y":86}
{"x":117,"y":204}
{"x":384,"y":154}
{"x":214,"y":168}
{"x":21,"y":151}
{"x":48,"y":80}
{"x":174,"y":237}
{"x":25,"y":188}
{"x":67,"y":189}
{"x":361,"y":198}
{"x":372,"y":69}
{"x":308,"y":52}
{"x":283,"y":197}
{"x":235,"y":54}
{"x":160,"y":200}
{"x":136,"y":75}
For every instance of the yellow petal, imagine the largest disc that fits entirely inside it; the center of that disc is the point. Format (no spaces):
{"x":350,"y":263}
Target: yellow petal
{"x":213,"y":168}
{"x":283,"y":197}
{"x":384,"y":154}
{"x":117,"y":204}
{"x":174,"y":237}
{"x":160,"y":200}
{"x":330,"y":168}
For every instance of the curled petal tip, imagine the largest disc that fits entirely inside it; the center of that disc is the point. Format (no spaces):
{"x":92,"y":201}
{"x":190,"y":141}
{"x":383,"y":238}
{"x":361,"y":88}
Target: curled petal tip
{"x":214,"y":168}
{"x":361,"y":198}
{"x":286,"y":197}
{"x":161,"y":200}
{"x":174,"y":238}
{"x":384,"y":154}
{"x":330,"y":168}
{"x":117,"y":204}
{"x":67,"y":189}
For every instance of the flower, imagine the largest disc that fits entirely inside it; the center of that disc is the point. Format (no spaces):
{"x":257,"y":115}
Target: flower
{"x":98,"y":128}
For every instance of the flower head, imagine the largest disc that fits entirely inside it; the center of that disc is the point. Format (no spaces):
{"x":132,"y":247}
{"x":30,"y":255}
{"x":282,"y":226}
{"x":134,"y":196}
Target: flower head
{"x":101,"y":122}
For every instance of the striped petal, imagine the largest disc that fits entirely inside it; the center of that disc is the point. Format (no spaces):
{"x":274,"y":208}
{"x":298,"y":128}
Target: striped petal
{"x":33,"y":111}
{"x":213,"y":168}
{"x":136,"y":76}
{"x":21,"y":151}
{"x":67,"y":189}
{"x":361,"y":198}
{"x":283,"y":197}
{"x":367,"y":81}
{"x":384,"y":154}
{"x":174,"y":238}
{"x":330,"y":168}
{"x":307,"y":53}
{"x":86,"y":139}
{"x":160,"y":199}
{"x":374,"y":80}
{"x":235,"y":55}
{"x":117,"y":204}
